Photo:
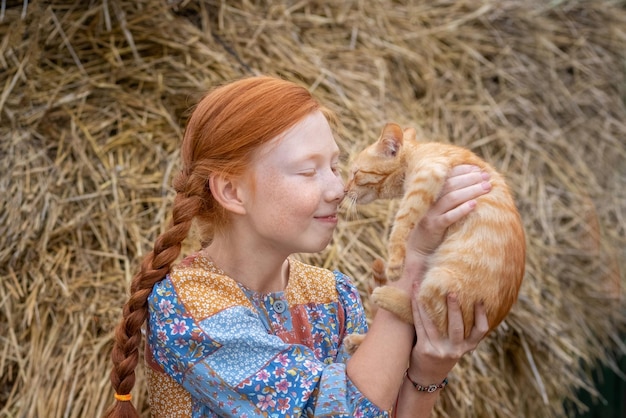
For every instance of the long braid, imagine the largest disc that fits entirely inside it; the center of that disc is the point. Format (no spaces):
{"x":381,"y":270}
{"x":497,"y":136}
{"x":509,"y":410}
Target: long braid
{"x":125,"y":354}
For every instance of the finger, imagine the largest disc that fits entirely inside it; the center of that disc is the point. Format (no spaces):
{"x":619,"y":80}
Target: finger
{"x":424,"y":326}
{"x":458,"y":197}
{"x":461,"y":169}
{"x":456,"y":214}
{"x":420,"y":331}
{"x":481,"y":323}
{"x":429,"y":329}
{"x":456,"y":331}
{"x":460,"y":181}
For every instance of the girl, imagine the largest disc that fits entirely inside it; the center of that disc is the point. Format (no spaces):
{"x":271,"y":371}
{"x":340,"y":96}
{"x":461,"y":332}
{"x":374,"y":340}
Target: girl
{"x":241,"y":328}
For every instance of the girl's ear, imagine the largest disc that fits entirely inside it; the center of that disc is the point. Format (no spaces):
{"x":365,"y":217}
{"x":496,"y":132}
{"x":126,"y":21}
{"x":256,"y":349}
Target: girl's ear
{"x":227,"y":193}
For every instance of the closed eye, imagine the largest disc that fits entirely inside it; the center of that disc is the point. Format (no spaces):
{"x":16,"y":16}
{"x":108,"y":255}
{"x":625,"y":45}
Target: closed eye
{"x":308,"y":173}
{"x":368,"y":178}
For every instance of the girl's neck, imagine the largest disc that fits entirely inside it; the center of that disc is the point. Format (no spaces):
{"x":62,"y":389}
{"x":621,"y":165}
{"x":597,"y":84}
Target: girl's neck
{"x":255,"y":271}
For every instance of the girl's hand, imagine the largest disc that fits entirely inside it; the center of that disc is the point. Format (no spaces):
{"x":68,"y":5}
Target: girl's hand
{"x":434,"y":355}
{"x":464,"y":184}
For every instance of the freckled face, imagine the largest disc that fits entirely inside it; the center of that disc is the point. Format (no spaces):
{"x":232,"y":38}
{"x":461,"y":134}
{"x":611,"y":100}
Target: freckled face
{"x":297,"y":188}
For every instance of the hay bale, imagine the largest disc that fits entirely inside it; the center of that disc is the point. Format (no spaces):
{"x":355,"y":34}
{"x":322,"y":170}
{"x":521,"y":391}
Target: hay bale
{"x":92,"y":107}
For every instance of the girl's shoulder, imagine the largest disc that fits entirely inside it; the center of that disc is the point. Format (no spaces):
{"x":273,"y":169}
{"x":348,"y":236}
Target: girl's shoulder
{"x":203,"y":288}
{"x":321,"y":284}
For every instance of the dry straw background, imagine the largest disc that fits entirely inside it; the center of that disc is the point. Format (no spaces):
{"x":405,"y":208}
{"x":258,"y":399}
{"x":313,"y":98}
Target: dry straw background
{"x":94,"y":100}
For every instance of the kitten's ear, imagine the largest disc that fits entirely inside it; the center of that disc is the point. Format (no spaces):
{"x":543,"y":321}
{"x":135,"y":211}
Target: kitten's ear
{"x":410,"y":134}
{"x":390,"y":139}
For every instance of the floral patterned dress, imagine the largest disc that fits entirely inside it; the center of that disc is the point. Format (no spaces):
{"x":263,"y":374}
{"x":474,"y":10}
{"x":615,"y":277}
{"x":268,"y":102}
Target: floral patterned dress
{"x":217,"y":349}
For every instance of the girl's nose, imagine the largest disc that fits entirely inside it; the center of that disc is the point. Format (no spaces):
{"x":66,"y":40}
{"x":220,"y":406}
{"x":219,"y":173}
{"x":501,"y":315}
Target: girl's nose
{"x":336,"y":190}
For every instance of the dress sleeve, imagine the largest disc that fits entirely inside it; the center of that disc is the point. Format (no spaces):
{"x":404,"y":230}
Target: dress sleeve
{"x":232,"y":366}
{"x":355,"y":318}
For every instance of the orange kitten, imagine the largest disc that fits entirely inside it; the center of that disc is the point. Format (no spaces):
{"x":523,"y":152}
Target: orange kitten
{"x":481,"y":258}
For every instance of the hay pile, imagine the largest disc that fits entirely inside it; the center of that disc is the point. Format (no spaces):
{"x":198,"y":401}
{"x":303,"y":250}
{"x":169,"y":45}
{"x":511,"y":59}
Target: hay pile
{"x":94,"y":98}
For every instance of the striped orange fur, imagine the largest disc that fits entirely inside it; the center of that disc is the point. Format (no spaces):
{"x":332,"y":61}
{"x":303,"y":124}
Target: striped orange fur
{"x":482,"y":257}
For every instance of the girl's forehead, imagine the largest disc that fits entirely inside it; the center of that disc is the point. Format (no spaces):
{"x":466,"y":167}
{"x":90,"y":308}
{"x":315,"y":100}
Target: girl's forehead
{"x":311,"y":136}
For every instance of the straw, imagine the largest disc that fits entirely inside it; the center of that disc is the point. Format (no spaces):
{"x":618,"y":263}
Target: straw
{"x":94,"y":100}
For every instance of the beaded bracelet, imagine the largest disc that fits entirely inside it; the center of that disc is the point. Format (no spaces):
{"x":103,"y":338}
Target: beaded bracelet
{"x":429,"y":388}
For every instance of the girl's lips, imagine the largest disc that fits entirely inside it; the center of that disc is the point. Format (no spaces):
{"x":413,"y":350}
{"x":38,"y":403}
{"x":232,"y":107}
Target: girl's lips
{"x":328,"y":218}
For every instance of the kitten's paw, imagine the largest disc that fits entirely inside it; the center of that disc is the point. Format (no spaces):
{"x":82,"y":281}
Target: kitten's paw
{"x":395,"y":301}
{"x":352,"y":341}
{"x":394,"y":271}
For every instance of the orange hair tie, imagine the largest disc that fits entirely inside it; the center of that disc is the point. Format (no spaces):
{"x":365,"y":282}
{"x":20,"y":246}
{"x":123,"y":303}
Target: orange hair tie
{"x":123,"y":398}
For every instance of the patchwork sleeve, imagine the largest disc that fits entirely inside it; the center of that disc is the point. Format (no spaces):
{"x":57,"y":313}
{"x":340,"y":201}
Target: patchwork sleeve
{"x":350,"y":300}
{"x":232,"y":366}
{"x":355,"y":323}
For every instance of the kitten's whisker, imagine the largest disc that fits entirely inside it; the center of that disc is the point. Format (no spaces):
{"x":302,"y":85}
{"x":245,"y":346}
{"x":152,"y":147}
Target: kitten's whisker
{"x":348,"y":205}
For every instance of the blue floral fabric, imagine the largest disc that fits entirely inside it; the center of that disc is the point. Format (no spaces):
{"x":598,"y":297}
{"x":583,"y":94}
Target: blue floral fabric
{"x":216,"y":348}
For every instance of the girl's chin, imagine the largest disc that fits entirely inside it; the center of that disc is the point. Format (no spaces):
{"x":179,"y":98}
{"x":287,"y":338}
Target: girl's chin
{"x":316,"y":248}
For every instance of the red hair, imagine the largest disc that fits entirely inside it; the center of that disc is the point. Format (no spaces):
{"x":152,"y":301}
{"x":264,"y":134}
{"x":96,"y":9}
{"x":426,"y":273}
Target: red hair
{"x":224,"y":130}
